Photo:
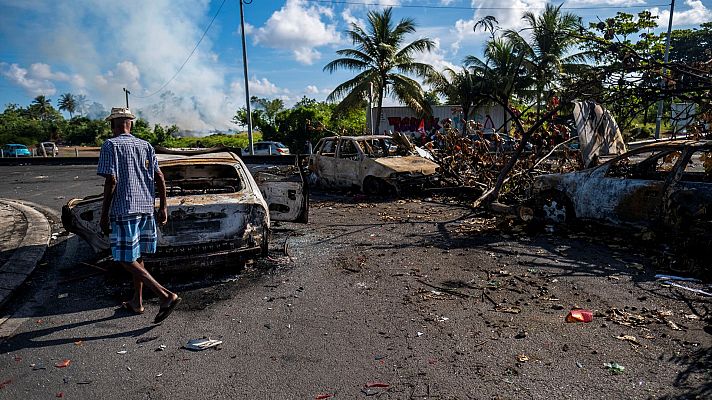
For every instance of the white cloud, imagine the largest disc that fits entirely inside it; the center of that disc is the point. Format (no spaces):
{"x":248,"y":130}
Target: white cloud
{"x":349,"y":18}
{"x":435,"y":58}
{"x":311,"y":89}
{"x":697,"y":14}
{"x":446,"y":2}
{"x":299,"y":28}
{"x":507,"y":12}
{"x":20,"y":76}
{"x":263,"y":87}
{"x":572,"y":3}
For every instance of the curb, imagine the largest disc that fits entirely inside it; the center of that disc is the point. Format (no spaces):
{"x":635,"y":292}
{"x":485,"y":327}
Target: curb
{"x":28,"y":253}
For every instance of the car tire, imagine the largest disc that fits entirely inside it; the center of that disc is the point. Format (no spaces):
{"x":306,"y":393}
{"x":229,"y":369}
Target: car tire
{"x":372,"y":186}
{"x":554,"y":207}
{"x":264,"y":246}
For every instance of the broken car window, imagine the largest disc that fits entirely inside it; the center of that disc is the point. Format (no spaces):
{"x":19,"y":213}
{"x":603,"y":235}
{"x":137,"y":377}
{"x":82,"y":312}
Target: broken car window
{"x":649,"y":165}
{"x":348,"y":150}
{"x":201,"y":179}
{"x":374,"y":148}
{"x":329,"y":148}
{"x":699,"y":167}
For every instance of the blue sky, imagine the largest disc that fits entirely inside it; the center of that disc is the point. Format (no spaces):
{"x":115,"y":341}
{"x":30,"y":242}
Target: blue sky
{"x":96,"y":47}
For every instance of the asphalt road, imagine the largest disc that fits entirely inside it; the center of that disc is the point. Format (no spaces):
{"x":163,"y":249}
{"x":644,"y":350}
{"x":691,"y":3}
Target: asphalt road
{"x":412,"y":298}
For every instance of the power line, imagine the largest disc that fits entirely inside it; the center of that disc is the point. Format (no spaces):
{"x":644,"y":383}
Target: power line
{"x":363,"y":3}
{"x":205,"y":32}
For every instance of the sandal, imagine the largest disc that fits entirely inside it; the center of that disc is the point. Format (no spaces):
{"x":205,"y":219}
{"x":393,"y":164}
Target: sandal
{"x":164,"y":312}
{"x":128,"y":307}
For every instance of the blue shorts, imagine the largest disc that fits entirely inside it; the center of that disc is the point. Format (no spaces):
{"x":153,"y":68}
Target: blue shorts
{"x":132,"y":235}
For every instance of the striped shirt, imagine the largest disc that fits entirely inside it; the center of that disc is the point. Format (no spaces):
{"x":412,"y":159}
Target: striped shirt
{"x":133,"y":163}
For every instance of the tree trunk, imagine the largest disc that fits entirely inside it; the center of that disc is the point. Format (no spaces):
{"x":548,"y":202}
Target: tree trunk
{"x":380,"y":109}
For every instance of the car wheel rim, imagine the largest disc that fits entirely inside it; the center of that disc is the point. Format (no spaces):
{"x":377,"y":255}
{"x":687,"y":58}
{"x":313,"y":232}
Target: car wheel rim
{"x":554,"y":211}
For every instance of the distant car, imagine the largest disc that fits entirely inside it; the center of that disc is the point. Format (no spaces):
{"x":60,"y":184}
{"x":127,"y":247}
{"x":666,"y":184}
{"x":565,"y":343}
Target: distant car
{"x":268,"y":149}
{"x":665,"y":186}
{"x":16,"y":150}
{"x":374,"y":164}
{"x":50,"y":149}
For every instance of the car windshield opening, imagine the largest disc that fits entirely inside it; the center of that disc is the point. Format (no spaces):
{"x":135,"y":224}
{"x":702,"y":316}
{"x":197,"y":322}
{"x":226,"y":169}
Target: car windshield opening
{"x":201,"y":179}
{"x":381,"y":147}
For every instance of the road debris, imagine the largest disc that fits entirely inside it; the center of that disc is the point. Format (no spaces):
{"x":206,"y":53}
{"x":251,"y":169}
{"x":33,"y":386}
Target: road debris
{"x":201,"y":344}
{"x":63,"y":364}
{"x":5,"y":383}
{"x":630,"y":339}
{"x":579,"y":315}
{"x":323,"y":396}
{"x":614,"y":367}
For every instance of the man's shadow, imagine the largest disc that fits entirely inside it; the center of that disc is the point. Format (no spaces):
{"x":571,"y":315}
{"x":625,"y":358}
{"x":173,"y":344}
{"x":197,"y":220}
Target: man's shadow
{"x":32,"y":339}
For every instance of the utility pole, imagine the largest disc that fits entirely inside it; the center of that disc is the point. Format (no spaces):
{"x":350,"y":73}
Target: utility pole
{"x":247,"y":84}
{"x":127,"y":93}
{"x":663,"y":83}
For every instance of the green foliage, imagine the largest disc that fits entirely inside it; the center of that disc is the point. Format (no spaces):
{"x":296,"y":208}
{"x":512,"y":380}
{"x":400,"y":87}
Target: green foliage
{"x":691,"y":46}
{"x":236,"y":140}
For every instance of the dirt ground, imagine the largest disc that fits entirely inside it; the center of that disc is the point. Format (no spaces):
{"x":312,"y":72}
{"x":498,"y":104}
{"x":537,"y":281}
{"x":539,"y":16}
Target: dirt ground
{"x":419,"y":298}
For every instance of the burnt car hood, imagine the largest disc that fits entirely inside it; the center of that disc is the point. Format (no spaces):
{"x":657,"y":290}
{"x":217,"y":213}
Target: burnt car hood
{"x":407,"y":164}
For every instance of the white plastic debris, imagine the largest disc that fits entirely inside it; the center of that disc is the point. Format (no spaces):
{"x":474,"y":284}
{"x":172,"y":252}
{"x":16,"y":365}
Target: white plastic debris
{"x":201,"y":344}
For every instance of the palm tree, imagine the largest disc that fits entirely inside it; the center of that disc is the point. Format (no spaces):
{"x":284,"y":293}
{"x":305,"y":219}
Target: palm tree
{"x":551,"y":38}
{"x":383,"y":61}
{"x":458,"y":86}
{"x":42,"y":105}
{"x":503,"y":73}
{"x":68,"y":103}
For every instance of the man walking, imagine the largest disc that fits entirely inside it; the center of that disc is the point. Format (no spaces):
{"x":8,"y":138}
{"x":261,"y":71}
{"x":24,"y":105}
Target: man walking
{"x":130,"y":168}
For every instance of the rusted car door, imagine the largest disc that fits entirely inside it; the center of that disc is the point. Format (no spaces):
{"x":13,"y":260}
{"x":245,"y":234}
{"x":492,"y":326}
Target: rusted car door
{"x":628,"y":189}
{"x":688,"y":204}
{"x":325,"y":162}
{"x":284,"y":189}
{"x":349,"y":162}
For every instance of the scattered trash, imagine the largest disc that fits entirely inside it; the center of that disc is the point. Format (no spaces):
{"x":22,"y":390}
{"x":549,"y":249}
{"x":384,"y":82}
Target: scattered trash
{"x":159,"y":375}
{"x":578,"y":364}
{"x":673,"y":325}
{"x":78,"y":342}
{"x":691,"y":316}
{"x":128,"y":368}
{"x":614,"y":367}
{"x":60,"y":395}
{"x":377,"y":385}
{"x":323,"y":396}
{"x":419,"y":334}
{"x":522,"y":358}
{"x":579,"y":315}
{"x":161,"y":347}
{"x":122,"y":352}
{"x":5,"y":383}
{"x":509,"y":310}
{"x":630,"y":339}
{"x":63,"y":364}
{"x":369,"y":392}
{"x":380,"y":357}
{"x":87,"y":382}
{"x":18,"y":358}
{"x":201,"y":344}
{"x":37,"y":367}
{"x":146,"y":339}
{"x":521,"y":335}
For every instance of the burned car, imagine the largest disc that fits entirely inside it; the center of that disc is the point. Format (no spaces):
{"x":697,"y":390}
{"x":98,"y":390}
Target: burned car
{"x":218,"y":210}
{"x":666,"y":185}
{"x":374,"y":164}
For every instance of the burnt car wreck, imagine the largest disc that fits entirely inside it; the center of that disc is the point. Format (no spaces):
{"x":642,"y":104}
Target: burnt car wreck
{"x":665,"y":186}
{"x":373,"y":164}
{"x":219,"y":209}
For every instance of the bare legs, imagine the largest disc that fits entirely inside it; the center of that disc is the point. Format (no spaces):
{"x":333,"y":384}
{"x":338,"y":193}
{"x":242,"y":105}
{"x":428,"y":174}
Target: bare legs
{"x":142,"y":277}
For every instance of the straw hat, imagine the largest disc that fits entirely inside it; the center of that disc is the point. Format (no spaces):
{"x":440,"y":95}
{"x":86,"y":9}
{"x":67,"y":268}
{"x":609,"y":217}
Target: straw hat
{"x":120,"y":112}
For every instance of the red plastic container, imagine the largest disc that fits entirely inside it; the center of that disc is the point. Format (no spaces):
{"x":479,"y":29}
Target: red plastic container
{"x":579,"y":315}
